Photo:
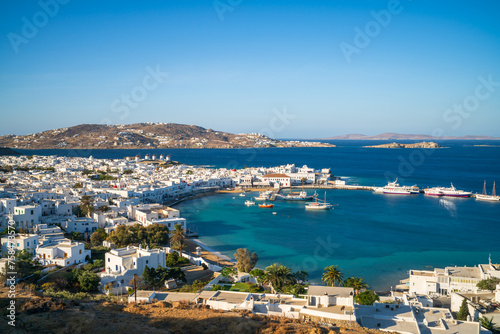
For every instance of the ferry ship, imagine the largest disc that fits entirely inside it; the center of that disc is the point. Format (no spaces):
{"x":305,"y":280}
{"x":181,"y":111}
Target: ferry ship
{"x":485,"y":197}
{"x":396,"y":189}
{"x":451,"y":192}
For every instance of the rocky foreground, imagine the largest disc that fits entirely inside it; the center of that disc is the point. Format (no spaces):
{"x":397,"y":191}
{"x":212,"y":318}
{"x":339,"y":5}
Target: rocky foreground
{"x":415,"y":145}
{"x":144,"y":136}
{"x":52,"y":315}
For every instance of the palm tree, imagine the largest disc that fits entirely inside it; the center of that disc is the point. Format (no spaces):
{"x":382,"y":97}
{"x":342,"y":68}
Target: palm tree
{"x":277,"y":275}
{"x":357,"y":283}
{"x":332,"y":275}
{"x":488,"y":324}
{"x":177,"y":238}
{"x":104,"y":208}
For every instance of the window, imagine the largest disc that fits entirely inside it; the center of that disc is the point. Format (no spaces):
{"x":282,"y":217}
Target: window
{"x":80,"y":251}
{"x":28,"y":244}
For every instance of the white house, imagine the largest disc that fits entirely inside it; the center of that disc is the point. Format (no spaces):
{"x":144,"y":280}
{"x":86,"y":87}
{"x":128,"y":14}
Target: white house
{"x":450,"y":279}
{"x":85,"y":226}
{"x":62,"y":253}
{"x":122,"y":263}
{"x":27,"y":216}
{"x":282,"y":179}
{"x":19,"y":242}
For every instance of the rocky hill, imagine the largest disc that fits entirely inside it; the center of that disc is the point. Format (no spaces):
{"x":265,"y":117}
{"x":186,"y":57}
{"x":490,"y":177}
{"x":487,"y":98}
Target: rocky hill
{"x":415,"y":145}
{"x":144,"y":135}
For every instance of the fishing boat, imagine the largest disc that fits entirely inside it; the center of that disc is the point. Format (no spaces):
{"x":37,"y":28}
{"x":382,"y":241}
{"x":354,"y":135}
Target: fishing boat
{"x":450,"y":191}
{"x":319,"y":205}
{"x":263,"y":196}
{"x":266,"y":205}
{"x":249,"y":203}
{"x":485,"y":197}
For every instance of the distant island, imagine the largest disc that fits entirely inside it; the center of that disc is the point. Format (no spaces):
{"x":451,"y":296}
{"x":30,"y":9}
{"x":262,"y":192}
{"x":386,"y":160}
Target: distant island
{"x":144,"y":136}
{"x":415,"y":145}
{"x":397,"y":136}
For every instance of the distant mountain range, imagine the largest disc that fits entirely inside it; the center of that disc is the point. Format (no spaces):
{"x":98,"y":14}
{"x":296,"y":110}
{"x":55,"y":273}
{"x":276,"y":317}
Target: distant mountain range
{"x":144,"y":135}
{"x":398,"y":136}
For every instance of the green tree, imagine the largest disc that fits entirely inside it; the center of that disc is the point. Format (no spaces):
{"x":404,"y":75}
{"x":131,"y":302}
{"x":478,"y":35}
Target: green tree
{"x":488,"y":324}
{"x":294,"y":289}
{"x":245,"y":260}
{"x":88,"y":281}
{"x":78,"y":185}
{"x":301,"y":276}
{"x":258,"y":274}
{"x":332,"y":275}
{"x":172,"y":259}
{"x":98,"y":237}
{"x":277,"y":275}
{"x":366,"y":298}
{"x":463,"y":312}
{"x":229,"y":273}
{"x":104,"y":209}
{"x":177,"y":238}
{"x":488,"y":284}
{"x":86,"y":205}
{"x":357,"y":283}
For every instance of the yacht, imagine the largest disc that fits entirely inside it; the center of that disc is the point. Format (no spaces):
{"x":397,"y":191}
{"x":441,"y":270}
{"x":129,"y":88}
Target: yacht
{"x":319,"y":205}
{"x":485,"y":197}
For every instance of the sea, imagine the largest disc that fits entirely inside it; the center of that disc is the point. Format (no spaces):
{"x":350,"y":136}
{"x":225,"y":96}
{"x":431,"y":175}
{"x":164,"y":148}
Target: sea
{"x":374,"y":236}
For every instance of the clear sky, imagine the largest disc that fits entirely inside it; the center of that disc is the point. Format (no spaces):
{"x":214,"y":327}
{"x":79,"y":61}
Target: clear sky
{"x":335,"y":67}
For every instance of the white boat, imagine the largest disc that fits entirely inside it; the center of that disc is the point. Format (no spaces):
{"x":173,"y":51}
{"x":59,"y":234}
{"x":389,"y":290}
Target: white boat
{"x":242,"y":194}
{"x":319,"y":205}
{"x":396,"y":189}
{"x":485,"y":197}
{"x":263,"y":196}
{"x":300,"y":196}
{"x":451,"y":192}
{"x":249,"y":203}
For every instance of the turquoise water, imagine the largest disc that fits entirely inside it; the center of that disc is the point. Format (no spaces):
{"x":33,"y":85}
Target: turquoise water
{"x":375,"y":236}
{"x":379,"y":237}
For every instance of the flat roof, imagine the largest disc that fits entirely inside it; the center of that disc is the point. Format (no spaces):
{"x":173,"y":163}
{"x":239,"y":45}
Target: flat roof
{"x":389,"y":325}
{"x":233,"y":298}
{"x":330,"y":291}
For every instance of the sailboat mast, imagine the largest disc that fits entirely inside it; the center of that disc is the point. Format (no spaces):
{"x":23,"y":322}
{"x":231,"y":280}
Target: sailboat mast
{"x":484,"y":188}
{"x":494,"y":193}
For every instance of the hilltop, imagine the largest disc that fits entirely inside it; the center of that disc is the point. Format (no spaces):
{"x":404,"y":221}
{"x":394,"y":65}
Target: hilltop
{"x":144,"y":135}
{"x":398,"y":136}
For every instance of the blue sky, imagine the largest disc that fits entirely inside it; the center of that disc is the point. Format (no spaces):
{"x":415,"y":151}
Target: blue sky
{"x":234,"y":65}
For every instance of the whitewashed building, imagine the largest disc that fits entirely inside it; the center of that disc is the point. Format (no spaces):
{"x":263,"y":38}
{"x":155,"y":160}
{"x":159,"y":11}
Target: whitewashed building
{"x":19,"y":242}
{"x":63,"y":253}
